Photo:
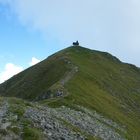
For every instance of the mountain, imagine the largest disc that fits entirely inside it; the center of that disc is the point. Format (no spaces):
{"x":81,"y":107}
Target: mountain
{"x":91,"y":82}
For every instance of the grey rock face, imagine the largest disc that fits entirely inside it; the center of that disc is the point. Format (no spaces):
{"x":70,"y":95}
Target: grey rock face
{"x":5,"y":121}
{"x":3,"y":112}
{"x":52,"y":126}
{"x":92,"y":123}
{"x":61,"y":123}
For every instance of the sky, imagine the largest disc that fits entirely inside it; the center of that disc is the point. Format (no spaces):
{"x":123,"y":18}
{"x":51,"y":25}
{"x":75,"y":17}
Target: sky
{"x":31,"y":30}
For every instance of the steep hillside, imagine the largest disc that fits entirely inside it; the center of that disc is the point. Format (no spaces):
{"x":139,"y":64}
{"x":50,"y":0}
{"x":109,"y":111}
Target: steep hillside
{"x":94,"y":80}
{"x":36,"y":81}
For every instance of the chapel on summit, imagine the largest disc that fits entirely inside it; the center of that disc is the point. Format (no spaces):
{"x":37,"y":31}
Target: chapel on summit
{"x":76,"y":43}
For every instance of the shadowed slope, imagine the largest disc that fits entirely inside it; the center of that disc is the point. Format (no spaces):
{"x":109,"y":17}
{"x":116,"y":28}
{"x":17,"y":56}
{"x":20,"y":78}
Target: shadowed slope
{"x":36,"y":80}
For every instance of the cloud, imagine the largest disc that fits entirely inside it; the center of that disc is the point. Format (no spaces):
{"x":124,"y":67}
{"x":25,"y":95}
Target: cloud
{"x":102,"y":23}
{"x":9,"y":71}
{"x":86,"y":20}
{"x":99,"y":24}
{"x":34,"y":61}
{"x":12,"y":69}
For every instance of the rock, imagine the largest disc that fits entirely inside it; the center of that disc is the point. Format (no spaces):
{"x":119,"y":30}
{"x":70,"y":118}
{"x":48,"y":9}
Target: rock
{"x":5,"y":125}
{"x":50,"y":119}
{"x":49,"y":134}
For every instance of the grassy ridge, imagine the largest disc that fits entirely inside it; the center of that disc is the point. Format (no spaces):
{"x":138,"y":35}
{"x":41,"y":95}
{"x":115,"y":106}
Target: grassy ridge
{"x":107,"y":85}
{"x":36,"y":80}
{"x":102,"y":83}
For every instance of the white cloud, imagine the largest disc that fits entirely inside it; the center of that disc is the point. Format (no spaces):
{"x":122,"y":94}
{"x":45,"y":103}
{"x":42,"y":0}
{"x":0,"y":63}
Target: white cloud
{"x":34,"y":61}
{"x":9,"y":71}
{"x":102,"y":23}
{"x":12,"y":69}
{"x":66,"y":20}
{"x":99,"y":24}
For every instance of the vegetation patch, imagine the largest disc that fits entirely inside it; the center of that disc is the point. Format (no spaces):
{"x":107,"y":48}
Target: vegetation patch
{"x":31,"y":134}
{"x":3,"y":132}
{"x":102,"y":83}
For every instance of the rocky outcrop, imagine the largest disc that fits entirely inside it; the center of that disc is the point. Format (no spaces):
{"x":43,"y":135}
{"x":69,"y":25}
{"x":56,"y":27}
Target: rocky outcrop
{"x":61,"y":123}
{"x":6,"y":119}
{"x":53,"y":127}
{"x":91,"y":123}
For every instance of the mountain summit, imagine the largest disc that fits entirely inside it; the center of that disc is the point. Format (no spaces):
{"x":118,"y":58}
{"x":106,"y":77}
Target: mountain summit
{"x":78,"y":76}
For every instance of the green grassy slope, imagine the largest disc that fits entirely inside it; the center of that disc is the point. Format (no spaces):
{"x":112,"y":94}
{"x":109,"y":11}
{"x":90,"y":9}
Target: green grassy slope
{"x":102,"y":83}
{"x":107,"y":85}
{"x":36,"y":80}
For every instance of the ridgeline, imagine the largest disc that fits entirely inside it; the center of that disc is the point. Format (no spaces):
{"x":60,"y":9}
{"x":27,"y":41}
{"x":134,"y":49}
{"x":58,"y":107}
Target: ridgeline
{"x":78,"y":79}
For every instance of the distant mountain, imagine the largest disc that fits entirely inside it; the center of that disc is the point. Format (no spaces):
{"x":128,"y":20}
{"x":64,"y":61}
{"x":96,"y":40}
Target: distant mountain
{"x":78,"y":76}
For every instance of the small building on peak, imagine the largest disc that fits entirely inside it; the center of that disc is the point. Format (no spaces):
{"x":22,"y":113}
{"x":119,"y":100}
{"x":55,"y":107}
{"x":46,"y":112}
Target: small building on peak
{"x":76,"y":43}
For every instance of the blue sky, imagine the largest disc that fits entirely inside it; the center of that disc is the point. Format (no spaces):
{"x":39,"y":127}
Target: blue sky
{"x":31,"y":30}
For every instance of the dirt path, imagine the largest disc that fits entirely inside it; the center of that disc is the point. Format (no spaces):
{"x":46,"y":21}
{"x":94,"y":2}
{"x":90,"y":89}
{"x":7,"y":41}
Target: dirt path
{"x":69,"y":75}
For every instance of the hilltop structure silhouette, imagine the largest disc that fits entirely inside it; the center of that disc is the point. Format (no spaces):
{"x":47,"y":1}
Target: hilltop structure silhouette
{"x":76,"y":43}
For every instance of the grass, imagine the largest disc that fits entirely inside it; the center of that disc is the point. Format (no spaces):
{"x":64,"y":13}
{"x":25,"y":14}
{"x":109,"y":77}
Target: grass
{"x":35,"y":81}
{"x":17,"y":107}
{"x":16,"y":130}
{"x":31,"y":134}
{"x":103,"y":83}
{"x":3,"y":132}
